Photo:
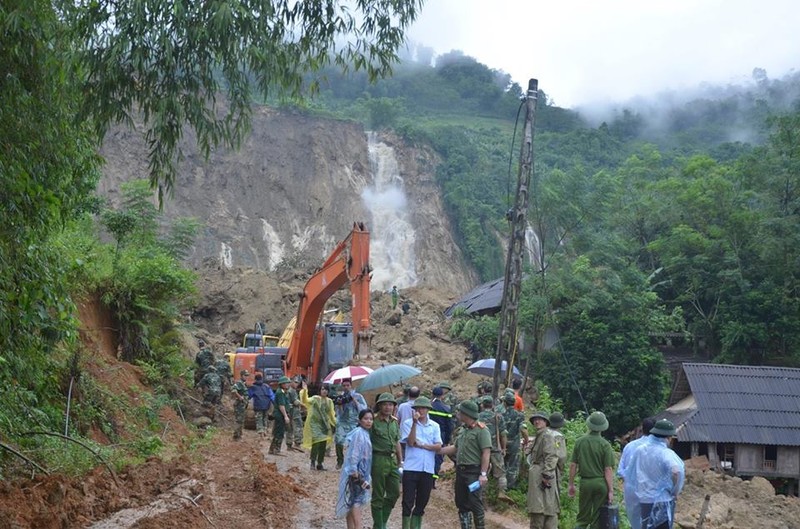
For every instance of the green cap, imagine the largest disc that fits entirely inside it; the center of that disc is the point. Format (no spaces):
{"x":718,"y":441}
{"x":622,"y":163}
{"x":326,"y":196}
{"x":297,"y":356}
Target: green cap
{"x":663,"y":428}
{"x":445,"y":385}
{"x":540,"y":415}
{"x":422,"y":402}
{"x":556,"y":420}
{"x":284,"y":380}
{"x":469,"y":408}
{"x":597,"y":422}
{"x":386,"y":397}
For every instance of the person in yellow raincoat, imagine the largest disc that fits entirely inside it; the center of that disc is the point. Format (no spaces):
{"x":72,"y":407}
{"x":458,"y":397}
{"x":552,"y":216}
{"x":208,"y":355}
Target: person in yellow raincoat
{"x":320,"y":424}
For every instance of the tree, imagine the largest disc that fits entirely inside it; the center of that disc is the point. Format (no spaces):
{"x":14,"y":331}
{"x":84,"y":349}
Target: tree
{"x":166,"y":61}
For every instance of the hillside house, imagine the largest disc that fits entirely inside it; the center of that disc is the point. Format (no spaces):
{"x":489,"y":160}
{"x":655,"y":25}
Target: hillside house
{"x":745,"y":419}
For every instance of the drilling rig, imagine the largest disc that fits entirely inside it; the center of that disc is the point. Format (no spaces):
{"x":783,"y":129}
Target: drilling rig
{"x":517,"y":216}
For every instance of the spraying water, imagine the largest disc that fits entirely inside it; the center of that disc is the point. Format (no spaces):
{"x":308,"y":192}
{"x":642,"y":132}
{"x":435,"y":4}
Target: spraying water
{"x":533,"y":247}
{"x":392,"y":236}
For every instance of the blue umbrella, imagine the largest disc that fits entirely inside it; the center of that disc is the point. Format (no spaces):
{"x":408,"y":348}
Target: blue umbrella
{"x":485,"y":367}
{"x":388,"y":375}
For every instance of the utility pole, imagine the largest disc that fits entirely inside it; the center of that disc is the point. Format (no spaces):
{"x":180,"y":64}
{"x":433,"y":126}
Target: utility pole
{"x":517,"y":216}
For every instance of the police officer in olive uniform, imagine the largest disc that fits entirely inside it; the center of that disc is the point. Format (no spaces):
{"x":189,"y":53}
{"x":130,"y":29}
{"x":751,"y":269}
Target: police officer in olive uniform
{"x":386,"y":460}
{"x":543,"y":494}
{"x":472,"y":450}
{"x":517,"y":429}
{"x":240,"y":398}
{"x":496,"y":425}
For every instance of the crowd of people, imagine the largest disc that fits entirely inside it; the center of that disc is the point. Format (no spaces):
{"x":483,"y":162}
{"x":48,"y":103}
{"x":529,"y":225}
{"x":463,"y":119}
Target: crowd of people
{"x":394,"y":450}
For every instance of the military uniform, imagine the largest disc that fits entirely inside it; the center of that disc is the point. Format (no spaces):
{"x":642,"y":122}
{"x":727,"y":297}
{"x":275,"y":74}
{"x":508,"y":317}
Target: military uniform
{"x":240,"y":398}
{"x":211,"y":384}
{"x":295,"y":426}
{"x":543,"y":493}
{"x":496,"y":425}
{"x":223,"y":367}
{"x":592,"y":455}
{"x":556,"y":422}
{"x":203,"y":360}
{"x":515,"y":423}
{"x":385,"y":437}
{"x":279,"y":416}
{"x":469,"y":446}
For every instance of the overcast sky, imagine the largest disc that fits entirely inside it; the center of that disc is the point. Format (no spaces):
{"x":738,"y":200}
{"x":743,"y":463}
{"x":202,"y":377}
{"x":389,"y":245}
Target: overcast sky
{"x":585,"y":51}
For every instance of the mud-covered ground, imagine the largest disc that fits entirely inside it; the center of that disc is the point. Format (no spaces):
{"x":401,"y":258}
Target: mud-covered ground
{"x":224,"y":483}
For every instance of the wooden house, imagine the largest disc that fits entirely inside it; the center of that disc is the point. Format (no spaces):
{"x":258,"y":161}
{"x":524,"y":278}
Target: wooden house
{"x":745,"y":419}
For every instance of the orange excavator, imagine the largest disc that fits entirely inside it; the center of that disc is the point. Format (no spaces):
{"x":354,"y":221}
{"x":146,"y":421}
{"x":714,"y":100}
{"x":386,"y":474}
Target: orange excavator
{"x":316,"y":349}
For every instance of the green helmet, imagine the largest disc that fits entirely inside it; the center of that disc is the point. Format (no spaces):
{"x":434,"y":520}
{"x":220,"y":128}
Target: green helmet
{"x":386,"y":397}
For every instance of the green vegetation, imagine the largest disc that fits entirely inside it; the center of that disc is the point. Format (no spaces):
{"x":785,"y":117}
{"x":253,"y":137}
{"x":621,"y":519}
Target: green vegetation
{"x":69,"y":72}
{"x":647,"y":233}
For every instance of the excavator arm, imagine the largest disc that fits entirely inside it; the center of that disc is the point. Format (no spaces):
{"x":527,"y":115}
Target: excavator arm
{"x":348,"y":263}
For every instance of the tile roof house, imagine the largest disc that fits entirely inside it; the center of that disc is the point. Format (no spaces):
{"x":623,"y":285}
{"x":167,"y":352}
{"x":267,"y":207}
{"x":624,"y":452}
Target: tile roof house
{"x":745,"y":419}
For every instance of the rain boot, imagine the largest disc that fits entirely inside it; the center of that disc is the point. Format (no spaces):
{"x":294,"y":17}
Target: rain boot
{"x":416,"y":522}
{"x":406,"y":522}
{"x":466,"y":520}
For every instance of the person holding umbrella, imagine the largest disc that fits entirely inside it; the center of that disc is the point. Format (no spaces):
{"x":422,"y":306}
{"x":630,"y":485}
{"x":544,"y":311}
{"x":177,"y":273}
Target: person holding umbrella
{"x":348,"y":405}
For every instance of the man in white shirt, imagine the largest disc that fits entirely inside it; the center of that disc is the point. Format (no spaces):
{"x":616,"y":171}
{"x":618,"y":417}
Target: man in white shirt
{"x":423,"y":439}
{"x":406,"y":410}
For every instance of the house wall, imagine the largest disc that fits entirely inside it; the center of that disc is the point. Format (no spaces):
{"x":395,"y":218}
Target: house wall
{"x":749,"y":460}
{"x":789,"y":460}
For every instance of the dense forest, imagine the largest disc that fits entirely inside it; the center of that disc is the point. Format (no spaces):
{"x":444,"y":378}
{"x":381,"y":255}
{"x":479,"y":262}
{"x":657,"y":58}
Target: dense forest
{"x":671,"y":221}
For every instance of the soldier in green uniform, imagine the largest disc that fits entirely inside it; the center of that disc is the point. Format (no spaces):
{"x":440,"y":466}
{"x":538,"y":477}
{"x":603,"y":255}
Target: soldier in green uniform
{"x":240,"y":398}
{"x":543,"y":494}
{"x":593,"y":459}
{"x":472,"y":450}
{"x":203,"y":360}
{"x":281,"y":415}
{"x":223,"y":367}
{"x":386,"y":461}
{"x":449,"y":397}
{"x":517,"y":429}
{"x":294,"y":439}
{"x":496,"y":425}
{"x":211,"y":384}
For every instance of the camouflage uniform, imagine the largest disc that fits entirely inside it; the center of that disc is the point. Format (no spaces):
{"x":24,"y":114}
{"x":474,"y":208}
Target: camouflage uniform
{"x":223,"y":367}
{"x":295,"y":426}
{"x":203,"y":360}
{"x":515,"y":422}
{"x":496,"y":425}
{"x":211,"y":384}
{"x":240,"y":397}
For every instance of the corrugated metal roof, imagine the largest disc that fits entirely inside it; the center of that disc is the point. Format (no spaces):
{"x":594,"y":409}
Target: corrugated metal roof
{"x":743,"y":404}
{"x":483,"y":299}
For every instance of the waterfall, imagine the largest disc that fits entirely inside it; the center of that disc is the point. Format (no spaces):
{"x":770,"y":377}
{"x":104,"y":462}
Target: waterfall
{"x":392,"y":236}
{"x":533,"y":246}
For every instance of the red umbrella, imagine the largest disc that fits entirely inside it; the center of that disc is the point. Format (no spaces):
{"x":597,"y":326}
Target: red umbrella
{"x":352,"y":372}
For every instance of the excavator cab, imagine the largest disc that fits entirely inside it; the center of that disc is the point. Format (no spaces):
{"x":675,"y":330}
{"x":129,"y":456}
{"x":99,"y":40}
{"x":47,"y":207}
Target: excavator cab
{"x":338,"y":346}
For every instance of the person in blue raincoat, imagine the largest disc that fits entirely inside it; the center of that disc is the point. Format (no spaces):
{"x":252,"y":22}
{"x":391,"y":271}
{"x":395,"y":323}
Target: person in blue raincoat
{"x":656,"y":473}
{"x":354,"y":481}
{"x":629,"y":489}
